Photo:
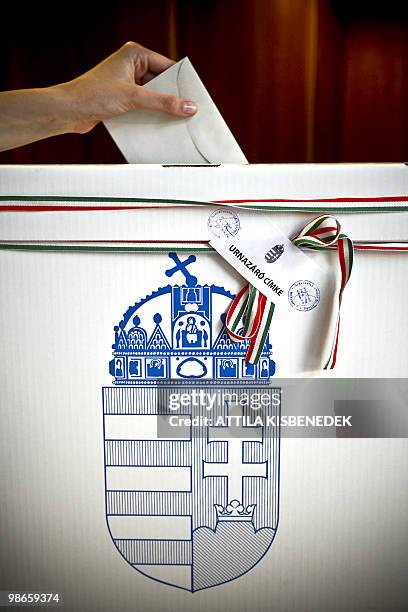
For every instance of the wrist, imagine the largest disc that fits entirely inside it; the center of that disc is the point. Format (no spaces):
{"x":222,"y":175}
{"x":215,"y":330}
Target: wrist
{"x":73,"y":107}
{"x":63,"y":114}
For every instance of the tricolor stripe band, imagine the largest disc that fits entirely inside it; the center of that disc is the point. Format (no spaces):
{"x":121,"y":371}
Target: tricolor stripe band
{"x":108,"y":246}
{"x":162,"y":246}
{"x":64,"y":203}
{"x":249,"y":318}
{"x":250,"y":314}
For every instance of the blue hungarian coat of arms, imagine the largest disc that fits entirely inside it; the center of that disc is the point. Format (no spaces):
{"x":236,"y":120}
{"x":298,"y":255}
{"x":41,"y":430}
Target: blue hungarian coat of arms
{"x":192,"y":509}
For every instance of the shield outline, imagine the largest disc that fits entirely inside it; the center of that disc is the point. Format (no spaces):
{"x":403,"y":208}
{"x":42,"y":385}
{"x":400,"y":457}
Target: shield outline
{"x":276,"y":471}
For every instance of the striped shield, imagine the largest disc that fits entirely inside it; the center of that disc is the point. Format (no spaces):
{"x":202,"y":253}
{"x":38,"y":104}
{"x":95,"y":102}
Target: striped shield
{"x":191,"y":436}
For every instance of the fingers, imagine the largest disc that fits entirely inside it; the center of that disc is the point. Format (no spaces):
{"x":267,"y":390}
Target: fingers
{"x":133,"y":65}
{"x":148,"y":77}
{"x":158,"y":63}
{"x":145,"y":98}
{"x":153,"y":62}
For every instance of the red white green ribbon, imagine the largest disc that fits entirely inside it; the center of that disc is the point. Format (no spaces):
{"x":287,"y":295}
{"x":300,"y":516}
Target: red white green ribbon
{"x":162,"y":246}
{"x":251,"y":312}
{"x":78,"y":203}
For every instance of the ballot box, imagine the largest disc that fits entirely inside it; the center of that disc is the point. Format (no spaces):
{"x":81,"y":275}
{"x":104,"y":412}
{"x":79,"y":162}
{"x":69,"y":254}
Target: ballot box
{"x":135,"y":230}
{"x":113,"y":294}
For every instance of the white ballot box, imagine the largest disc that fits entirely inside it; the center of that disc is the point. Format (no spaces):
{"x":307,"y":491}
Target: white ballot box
{"x":112,"y":294}
{"x":73,"y":226}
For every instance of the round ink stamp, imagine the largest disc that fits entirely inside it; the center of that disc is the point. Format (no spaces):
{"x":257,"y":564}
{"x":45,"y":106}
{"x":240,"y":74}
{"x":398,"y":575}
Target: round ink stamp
{"x":304,"y":295}
{"x":223,"y":222}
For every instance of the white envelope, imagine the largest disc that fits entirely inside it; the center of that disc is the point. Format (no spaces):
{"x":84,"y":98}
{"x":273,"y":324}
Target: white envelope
{"x":146,"y":136}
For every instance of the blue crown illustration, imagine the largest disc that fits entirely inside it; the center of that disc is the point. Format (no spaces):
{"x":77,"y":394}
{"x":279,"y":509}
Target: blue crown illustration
{"x":178,"y":332}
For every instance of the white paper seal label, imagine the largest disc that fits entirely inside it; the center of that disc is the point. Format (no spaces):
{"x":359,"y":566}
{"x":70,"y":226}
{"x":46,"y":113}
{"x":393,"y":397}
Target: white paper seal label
{"x":264,"y":256}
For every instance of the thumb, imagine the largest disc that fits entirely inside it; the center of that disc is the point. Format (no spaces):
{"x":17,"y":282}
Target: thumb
{"x":178,"y":107}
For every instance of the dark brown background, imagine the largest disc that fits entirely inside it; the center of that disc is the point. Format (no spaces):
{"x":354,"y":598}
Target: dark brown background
{"x":296,"y":80}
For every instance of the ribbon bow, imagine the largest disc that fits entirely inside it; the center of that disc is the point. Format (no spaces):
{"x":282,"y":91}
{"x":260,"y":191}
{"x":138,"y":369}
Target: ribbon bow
{"x":251,"y":312}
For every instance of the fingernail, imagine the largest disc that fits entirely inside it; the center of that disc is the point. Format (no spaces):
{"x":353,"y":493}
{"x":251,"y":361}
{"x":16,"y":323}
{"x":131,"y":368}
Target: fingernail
{"x":189,"y":108}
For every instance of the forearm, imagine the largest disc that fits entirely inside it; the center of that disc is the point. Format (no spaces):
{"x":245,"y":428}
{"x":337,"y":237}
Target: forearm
{"x":27,"y":115}
{"x":112,"y":87}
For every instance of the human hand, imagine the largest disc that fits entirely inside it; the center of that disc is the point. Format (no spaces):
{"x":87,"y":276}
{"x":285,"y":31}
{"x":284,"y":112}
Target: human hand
{"x":115,"y":86}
